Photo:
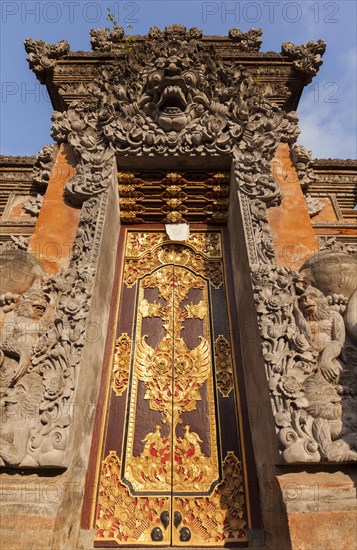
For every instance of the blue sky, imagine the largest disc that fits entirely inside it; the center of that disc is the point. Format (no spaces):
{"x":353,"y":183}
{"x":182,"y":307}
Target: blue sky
{"x":327,"y":109}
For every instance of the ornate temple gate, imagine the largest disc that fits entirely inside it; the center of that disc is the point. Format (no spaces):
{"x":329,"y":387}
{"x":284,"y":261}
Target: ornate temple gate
{"x":172,"y":466}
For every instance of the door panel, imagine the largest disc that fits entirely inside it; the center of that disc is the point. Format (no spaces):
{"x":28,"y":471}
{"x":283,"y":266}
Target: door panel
{"x":172,"y":473}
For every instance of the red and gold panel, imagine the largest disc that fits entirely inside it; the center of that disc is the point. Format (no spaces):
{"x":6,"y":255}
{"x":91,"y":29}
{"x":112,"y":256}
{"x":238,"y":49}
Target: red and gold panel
{"x":172,"y":470}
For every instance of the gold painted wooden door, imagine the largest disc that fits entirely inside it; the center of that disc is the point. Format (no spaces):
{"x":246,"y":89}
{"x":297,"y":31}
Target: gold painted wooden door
{"x":172,"y":470}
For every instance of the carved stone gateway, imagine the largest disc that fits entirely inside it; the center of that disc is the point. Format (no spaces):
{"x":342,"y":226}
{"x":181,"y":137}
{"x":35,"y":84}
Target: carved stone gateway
{"x":174,"y":102}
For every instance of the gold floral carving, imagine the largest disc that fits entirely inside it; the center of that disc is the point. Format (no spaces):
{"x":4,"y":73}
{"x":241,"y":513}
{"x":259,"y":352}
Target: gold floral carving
{"x":196,"y":310}
{"x":213,"y":520}
{"x":150,"y":309}
{"x":124,"y":518}
{"x":139,"y":242}
{"x":163,"y":470}
{"x":172,"y":375}
{"x":218,"y":518}
{"x":121,"y":364}
{"x":224,"y":371}
{"x":171,"y":488}
{"x":173,"y":254}
{"x":207,"y":243}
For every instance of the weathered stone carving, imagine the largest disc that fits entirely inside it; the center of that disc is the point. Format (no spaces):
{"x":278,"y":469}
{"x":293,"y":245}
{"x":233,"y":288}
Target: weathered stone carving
{"x":43,"y":164}
{"x":107,"y":41}
{"x":302,"y":161}
{"x":80,"y":126}
{"x":307,"y":57}
{"x":43,"y":336}
{"x":332,"y":244}
{"x":33,"y":205}
{"x":176,"y":32}
{"x":157,"y":103}
{"x":43,"y":56}
{"x":22,"y":320}
{"x":310,"y":366}
{"x":19,"y":270}
{"x":313,"y":204}
{"x":332,"y":272}
{"x":16,"y":243}
{"x":249,"y":41}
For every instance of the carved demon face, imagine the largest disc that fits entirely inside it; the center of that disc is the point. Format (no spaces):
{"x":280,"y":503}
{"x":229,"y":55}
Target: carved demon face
{"x":171,"y":96}
{"x":33,"y":305}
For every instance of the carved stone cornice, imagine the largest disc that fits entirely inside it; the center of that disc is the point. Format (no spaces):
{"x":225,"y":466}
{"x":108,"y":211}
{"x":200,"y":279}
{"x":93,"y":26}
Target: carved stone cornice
{"x":8,"y":160}
{"x":43,"y":56}
{"x":334,"y":163}
{"x":306,"y":58}
{"x":69,"y":74}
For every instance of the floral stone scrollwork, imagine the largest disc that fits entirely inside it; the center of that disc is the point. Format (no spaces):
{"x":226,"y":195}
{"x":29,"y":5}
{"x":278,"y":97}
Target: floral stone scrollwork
{"x":302,"y":161}
{"x":310,"y":366}
{"x":43,"y":332}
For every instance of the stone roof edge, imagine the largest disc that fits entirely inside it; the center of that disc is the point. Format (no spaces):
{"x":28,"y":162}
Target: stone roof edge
{"x":334,"y":163}
{"x":9,"y":160}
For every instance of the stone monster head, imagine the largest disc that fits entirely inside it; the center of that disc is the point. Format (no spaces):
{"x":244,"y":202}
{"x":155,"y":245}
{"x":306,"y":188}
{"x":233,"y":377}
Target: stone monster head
{"x":171,"y":95}
{"x":33,"y":305}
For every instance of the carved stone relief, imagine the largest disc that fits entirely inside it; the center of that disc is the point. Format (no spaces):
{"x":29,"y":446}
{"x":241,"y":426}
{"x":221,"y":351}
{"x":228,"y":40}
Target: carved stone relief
{"x":302,"y":161}
{"x":43,"y":56}
{"x":158,"y":103}
{"x":42,"y":337}
{"x":307,"y":57}
{"x":248,"y":41}
{"x":314,"y":206}
{"x":44,"y":162}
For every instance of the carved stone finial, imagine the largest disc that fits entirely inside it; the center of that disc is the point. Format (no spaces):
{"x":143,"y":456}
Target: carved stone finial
{"x":104,"y":41}
{"x":174,"y":32}
{"x":43,"y":56}
{"x":307,"y":57}
{"x":248,"y":41}
{"x":302,"y":161}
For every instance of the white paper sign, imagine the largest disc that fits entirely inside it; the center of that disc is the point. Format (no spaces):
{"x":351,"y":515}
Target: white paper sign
{"x":178,"y":231}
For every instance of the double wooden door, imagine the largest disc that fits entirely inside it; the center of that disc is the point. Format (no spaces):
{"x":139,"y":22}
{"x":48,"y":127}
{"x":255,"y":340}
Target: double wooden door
{"x":171,"y":469}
